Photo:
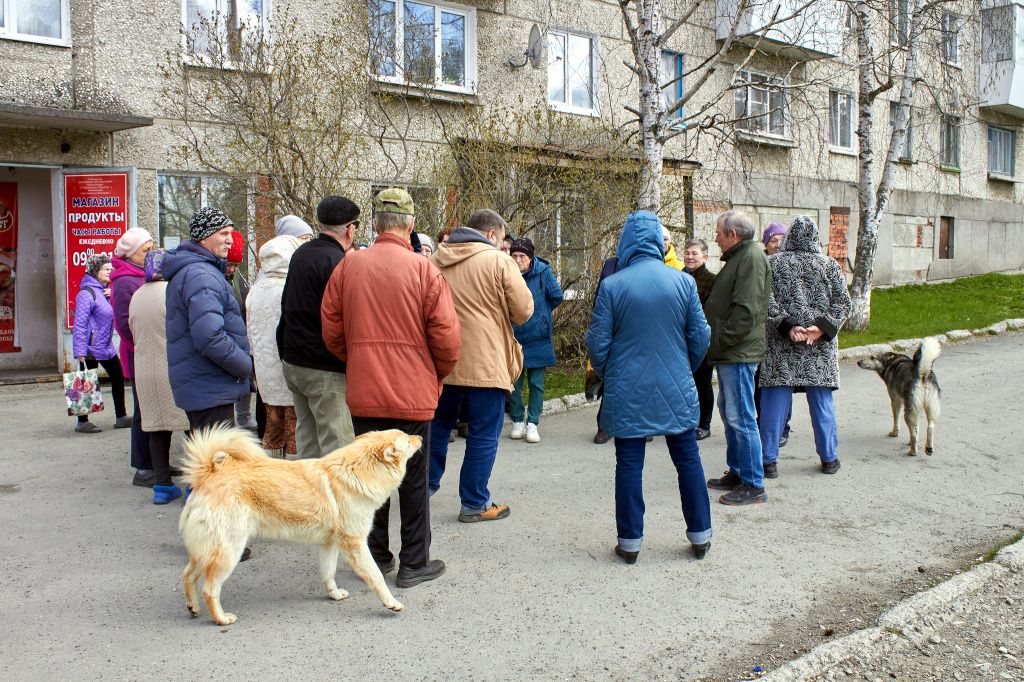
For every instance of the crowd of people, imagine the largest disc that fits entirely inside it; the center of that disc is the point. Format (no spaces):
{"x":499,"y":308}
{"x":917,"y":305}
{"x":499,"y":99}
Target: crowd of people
{"x":468,"y":322}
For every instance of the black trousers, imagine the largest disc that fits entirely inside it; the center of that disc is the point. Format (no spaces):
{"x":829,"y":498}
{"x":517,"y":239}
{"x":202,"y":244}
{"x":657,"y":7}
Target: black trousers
{"x":199,"y":419}
{"x":142,"y":458}
{"x":413,"y":498}
{"x":160,"y":451}
{"x":705,"y":394}
{"x":113,"y":369}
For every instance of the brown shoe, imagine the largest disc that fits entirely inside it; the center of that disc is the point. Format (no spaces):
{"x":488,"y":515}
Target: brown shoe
{"x":495,"y":513}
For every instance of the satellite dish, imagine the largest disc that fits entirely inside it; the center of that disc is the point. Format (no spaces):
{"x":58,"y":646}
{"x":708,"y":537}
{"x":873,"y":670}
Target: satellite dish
{"x":533,"y":53}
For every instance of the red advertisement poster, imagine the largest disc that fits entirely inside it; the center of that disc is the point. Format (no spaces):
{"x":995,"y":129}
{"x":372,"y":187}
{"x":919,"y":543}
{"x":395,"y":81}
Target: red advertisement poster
{"x":96,"y":214}
{"x":8,"y":264}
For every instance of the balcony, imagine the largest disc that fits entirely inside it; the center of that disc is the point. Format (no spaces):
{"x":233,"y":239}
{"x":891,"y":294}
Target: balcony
{"x":1001,"y":74}
{"x":802,"y":32}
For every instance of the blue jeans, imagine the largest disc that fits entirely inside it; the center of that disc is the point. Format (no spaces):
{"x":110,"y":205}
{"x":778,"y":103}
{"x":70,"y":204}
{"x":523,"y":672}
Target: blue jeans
{"x":629,"y":491}
{"x":777,"y":403}
{"x":535,"y":379}
{"x":485,"y":412}
{"x":736,"y":407}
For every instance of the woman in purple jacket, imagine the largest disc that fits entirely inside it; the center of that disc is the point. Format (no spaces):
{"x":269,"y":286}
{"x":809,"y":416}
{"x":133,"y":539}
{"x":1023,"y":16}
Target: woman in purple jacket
{"x":125,"y":280}
{"x":92,"y":340}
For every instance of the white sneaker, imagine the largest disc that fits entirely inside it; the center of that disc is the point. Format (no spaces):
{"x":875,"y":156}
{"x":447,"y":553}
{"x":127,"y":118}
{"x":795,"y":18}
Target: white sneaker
{"x":532,"y":435}
{"x":518,"y":430}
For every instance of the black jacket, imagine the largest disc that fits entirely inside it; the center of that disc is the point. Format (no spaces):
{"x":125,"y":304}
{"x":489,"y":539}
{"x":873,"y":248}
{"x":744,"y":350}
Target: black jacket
{"x":300,"y":332}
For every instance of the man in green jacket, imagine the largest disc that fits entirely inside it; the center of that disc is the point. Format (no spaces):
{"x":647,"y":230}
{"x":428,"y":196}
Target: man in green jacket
{"x":736,"y":311}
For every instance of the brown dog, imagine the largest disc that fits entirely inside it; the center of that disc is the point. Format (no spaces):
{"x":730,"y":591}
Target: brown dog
{"x":239,"y":492}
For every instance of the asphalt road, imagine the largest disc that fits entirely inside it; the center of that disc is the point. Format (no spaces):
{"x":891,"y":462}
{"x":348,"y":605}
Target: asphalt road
{"x":91,"y":569}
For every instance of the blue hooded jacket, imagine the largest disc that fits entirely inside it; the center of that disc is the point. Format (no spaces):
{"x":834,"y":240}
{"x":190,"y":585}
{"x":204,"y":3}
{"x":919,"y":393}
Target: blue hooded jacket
{"x":208,"y":359}
{"x":647,"y":334}
{"x":535,"y":335}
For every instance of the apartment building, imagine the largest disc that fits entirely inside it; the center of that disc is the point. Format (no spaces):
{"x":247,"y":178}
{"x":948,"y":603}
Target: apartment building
{"x":89,"y":144}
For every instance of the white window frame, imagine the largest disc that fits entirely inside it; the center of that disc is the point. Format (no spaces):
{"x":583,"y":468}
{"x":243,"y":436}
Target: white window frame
{"x":10,"y":19}
{"x":675,"y":119}
{"x":950,"y":39}
{"x":1012,"y":134}
{"x":851,"y":112}
{"x":469,"y":13}
{"x":190,"y":57}
{"x":771,"y":82}
{"x":595,"y":48}
{"x":950,"y":124}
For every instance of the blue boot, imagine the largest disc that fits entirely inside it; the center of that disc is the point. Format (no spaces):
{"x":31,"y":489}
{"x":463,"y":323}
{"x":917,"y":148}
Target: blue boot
{"x":162,"y":494}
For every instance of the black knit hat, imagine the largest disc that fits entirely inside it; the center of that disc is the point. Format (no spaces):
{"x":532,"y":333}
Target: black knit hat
{"x":335,"y":210}
{"x":207,"y":221}
{"x":522,"y":245}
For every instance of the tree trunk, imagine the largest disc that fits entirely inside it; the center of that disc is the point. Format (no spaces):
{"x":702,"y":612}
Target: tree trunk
{"x":649,"y":67}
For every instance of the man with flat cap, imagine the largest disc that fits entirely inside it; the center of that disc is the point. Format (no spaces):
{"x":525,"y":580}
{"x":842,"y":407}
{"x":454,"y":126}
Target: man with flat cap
{"x":315,"y":376}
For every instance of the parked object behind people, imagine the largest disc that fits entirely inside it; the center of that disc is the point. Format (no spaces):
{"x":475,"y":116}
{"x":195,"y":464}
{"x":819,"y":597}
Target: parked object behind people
{"x":808,"y":305}
{"x":147,"y":318}
{"x":536,"y":338}
{"x":736,"y":311}
{"x":695,"y":258}
{"x":396,"y":357}
{"x":264,"y":306}
{"x":314,"y":375}
{"x":647,"y":334}
{"x":490,"y":297}
{"x":128,"y":275}
{"x":92,"y":338}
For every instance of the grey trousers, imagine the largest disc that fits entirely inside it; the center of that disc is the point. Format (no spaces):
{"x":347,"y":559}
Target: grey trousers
{"x":322,"y":420}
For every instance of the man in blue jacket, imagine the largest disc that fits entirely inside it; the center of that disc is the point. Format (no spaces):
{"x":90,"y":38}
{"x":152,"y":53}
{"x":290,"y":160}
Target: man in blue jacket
{"x":646,"y":335}
{"x":208,"y":358}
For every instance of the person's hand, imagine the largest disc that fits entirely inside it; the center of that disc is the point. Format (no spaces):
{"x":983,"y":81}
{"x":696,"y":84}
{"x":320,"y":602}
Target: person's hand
{"x":812,"y":334}
{"x":81,"y":359}
{"x":798,"y":334}
{"x":106,"y":292}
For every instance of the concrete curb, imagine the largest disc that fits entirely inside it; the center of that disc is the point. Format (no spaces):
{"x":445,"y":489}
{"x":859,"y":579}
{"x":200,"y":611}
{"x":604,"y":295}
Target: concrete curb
{"x":910,"y":345}
{"x":913,"y":619}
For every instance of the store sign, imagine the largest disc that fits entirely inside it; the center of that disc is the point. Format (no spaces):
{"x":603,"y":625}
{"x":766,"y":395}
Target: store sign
{"x":8,"y":265}
{"x":96,"y":214}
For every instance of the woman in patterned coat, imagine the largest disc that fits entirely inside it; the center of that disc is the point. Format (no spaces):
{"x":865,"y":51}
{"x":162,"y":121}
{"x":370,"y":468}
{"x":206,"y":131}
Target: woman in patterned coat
{"x":807,"y":306}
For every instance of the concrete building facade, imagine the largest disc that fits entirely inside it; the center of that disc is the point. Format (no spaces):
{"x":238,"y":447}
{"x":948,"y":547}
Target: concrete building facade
{"x":84,"y":108}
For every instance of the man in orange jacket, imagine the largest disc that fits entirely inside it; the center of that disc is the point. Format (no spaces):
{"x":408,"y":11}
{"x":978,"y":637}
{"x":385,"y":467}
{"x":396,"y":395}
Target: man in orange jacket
{"x":396,"y":357}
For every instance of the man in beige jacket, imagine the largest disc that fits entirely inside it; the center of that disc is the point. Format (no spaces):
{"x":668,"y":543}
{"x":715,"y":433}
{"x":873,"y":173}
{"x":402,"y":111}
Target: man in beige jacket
{"x":490,"y":296}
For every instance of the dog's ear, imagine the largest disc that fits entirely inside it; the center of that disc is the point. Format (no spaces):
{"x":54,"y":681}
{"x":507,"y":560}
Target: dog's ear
{"x":390,"y":454}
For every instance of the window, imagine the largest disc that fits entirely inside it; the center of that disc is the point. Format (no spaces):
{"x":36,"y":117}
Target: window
{"x":840,"y":119}
{"x":229,"y":27}
{"x":950,"y":142}
{"x":179,"y":196}
{"x":572,"y":72}
{"x":672,"y":85}
{"x":1001,"y":146}
{"x":762,"y":105}
{"x":39,"y":21}
{"x":900,"y":27}
{"x":908,"y":149}
{"x":946,"y":232}
{"x":950,"y":38}
{"x":425,"y":43}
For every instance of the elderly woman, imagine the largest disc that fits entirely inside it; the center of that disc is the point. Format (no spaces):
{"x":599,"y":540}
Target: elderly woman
{"x":293,"y":226}
{"x":535,"y":336}
{"x":808,"y":305}
{"x":93,"y":336}
{"x":264,"y":314}
{"x":695,"y":258}
{"x":127,"y":277}
{"x":147,"y":319}
{"x":647,"y":334}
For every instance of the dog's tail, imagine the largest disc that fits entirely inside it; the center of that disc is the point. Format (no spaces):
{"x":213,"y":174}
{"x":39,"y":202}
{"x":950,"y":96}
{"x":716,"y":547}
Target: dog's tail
{"x":926,"y":355}
{"x":207,"y":449}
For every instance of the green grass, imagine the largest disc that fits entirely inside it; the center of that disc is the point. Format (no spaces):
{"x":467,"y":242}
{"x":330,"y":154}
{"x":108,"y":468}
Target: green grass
{"x":919,"y":310}
{"x":991,"y":554}
{"x":561,"y":381}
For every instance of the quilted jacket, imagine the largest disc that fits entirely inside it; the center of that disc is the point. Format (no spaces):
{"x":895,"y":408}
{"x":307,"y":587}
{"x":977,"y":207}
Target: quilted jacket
{"x":125,"y":280}
{"x":94,"y":321}
{"x":264,"y":314}
{"x":647,"y":334}
{"x":207,"y":351}
{"x":535,"y":335}
{"x":147,"y":315}
{"x":807,"y":289}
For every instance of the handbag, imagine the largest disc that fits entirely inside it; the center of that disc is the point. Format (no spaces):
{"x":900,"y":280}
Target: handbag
{"x":82,"y":391}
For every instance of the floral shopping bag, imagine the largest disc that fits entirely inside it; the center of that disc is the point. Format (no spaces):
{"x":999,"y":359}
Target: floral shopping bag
{"x":82,"y":391}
